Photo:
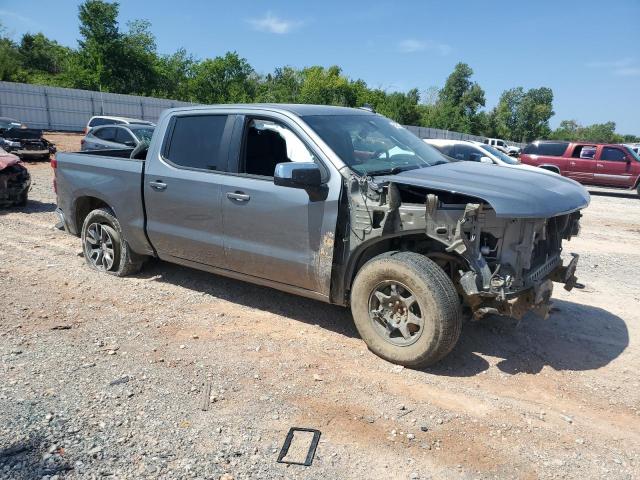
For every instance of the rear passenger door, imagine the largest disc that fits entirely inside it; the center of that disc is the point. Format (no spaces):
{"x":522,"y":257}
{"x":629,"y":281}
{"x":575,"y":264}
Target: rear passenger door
{"x":614,"y":168}
{"x":103,"y":138}
{"x":182,"y":189}
{"x":582,"y":164}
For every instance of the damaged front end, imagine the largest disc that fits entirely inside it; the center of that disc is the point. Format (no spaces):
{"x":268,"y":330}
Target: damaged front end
{"x":500,"y":265}
{"x":14,"y":181}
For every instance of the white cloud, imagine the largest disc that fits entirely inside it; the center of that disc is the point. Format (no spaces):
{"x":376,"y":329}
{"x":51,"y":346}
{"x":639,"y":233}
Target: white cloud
{"x":411,"y":45}
{"x":272,"y":24}
{"x":5,"y":14}
{"x":619,"y":63}
{"x":628,"y":72}
{"x":622,"y":67}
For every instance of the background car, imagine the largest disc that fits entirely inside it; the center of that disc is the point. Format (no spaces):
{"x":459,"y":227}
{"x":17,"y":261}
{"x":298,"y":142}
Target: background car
{"x":26,"y":143}
{"x":606,"y":165}
{"x":472,"y":151}
{"x":501,"y":145}
{"x":99,"y":120}
{"x":7,"y":123}
{"x":110,"y":137}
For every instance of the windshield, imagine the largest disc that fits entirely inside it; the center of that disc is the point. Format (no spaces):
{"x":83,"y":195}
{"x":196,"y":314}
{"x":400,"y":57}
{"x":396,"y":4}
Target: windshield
{"x":634,"y":153}
{"x":500,"y":155}
{"x":143,"y":134}
{"x":372,"y":144}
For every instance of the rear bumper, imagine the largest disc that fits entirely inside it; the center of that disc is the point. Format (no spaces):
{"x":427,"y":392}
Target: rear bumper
{"x":31,"y":153}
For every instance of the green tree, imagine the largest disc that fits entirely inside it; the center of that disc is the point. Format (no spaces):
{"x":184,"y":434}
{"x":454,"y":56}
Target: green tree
{"x":41,"y":54}
{"x":228,"y":79}
{"x":281,"y":86}
{"x":458,"y":103}
{"x":571,"y":130}
{"x":326,"y":86}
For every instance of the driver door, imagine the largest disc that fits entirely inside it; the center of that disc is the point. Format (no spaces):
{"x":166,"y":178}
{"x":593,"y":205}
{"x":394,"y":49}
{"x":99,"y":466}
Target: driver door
{"x":274,"y":232}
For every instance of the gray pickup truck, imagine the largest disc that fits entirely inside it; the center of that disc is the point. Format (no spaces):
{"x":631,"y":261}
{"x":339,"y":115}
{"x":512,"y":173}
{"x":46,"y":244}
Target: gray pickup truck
{"x":337,"y":204}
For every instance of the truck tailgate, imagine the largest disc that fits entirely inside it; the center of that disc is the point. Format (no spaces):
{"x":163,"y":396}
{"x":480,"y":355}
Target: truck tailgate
{"x":113,"y":180}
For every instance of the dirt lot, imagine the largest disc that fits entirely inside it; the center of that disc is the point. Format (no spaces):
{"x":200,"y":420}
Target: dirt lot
{"x":106,"y":377}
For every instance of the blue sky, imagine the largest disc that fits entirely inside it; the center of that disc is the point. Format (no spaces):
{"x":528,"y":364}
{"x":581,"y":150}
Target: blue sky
{"x":586,"y":51}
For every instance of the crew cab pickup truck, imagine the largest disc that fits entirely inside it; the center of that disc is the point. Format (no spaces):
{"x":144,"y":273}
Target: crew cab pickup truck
{"x":337,"y":204}
{"x":607,"y":165}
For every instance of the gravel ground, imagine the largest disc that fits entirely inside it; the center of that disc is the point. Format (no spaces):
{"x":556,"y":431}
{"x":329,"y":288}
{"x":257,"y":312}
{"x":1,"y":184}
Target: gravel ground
{"x":110,"y":377}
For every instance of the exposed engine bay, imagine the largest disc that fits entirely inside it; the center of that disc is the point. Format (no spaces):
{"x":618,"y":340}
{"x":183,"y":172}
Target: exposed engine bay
{"x":26,"y":143}
{"x":499,"y":265}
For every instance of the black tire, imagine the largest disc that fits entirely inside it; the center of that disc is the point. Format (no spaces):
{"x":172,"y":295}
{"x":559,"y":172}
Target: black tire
{"x":436,"y":297}
{"x":24,"y":197}
{"x":125,"y":261}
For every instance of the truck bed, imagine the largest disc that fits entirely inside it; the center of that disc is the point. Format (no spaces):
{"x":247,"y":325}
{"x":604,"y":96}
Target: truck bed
{"x":108,"y":176}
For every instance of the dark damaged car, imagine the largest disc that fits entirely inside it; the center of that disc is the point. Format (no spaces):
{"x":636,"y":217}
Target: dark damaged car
{"x":14,"y":181}
{"x":26,"y":143}
{"x":337,"y":204}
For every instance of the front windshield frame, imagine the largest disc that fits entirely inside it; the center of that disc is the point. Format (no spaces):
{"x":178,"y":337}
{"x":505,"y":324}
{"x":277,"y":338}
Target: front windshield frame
{"x":354,"y":137}
{"x":503,"y":157}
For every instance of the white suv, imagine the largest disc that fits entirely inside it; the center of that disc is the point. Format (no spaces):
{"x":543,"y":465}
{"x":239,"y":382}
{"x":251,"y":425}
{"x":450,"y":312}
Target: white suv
{"x":99,"y":120}
{"x":501,"y":145}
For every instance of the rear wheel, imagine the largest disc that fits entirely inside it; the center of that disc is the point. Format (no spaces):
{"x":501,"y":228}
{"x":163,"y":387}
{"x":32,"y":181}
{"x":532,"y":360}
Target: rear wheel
{"x":104,"y":246}
{"x":406,"y":309}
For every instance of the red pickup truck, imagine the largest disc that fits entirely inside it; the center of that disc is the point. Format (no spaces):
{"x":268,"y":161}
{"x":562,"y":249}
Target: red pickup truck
{"x":607,"y":165}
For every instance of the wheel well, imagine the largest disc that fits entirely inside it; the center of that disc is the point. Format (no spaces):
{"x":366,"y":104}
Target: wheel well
{"x":84,"y":205}
{"x":551,"y":168}
{"x":417,"y":242}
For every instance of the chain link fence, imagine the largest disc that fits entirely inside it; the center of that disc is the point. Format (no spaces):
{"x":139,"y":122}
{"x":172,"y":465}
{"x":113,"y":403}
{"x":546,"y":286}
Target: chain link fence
{"x":69,"y":109}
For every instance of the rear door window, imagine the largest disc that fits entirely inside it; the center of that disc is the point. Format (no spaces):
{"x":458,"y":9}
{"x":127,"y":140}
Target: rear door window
{"x":123,"y":136}
{"x":584,"y":151}
{"x":108,"y":134}
{"x":463,"y":152}
{"x":195,"y":142}
{"x":550,"y":149}
{"x":613,"y":154}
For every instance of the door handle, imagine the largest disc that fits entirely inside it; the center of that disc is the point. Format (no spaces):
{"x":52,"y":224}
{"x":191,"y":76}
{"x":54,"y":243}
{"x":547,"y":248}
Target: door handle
{"x":238,"y":196}
{"x":158,"y":185}
{"x":572,"y":164}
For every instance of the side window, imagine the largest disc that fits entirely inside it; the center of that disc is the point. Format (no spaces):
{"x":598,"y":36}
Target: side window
{"x":123,"y":136}
{"x":108,"y":134}
{"x":613,"y":154}
{"x":448,"y":150}
{"x":463,"y":152}
{"x":269,"y":143}
{"x":584,"y":151}
{"x":551,"y":149}
{"x":195,"y":141}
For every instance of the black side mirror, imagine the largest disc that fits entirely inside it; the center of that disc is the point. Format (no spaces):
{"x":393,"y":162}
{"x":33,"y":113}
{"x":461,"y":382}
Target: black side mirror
{"x":475,"y":157}
{"x":297,"y":175}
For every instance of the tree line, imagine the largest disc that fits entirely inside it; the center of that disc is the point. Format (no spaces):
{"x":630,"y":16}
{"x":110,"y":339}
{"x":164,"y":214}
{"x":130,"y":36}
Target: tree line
{"x":109,"y":58}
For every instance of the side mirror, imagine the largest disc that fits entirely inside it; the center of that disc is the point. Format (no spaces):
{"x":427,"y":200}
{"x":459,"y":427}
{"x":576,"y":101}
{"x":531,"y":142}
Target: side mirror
{"x":297,"y":175}
{"x":486,"y":160}
{"x":130,"y":143}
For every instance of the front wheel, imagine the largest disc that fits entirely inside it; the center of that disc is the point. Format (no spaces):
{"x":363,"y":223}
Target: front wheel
{"x":406,"y":309}
{"x":104,"y":246}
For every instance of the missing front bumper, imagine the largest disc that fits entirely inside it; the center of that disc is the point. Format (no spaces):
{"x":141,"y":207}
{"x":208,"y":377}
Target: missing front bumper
{"x":535,"y":299}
